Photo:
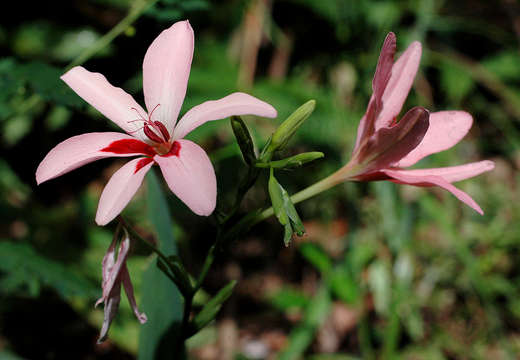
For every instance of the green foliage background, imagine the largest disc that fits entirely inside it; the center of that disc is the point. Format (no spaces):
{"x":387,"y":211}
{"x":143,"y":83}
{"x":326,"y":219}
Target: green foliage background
{"x":423,"y":276}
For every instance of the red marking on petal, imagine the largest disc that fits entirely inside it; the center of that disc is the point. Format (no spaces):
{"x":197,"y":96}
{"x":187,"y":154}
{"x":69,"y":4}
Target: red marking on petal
{"x":129,"y":146}
{"x":142,"y":163}
{"x":174,"y":150}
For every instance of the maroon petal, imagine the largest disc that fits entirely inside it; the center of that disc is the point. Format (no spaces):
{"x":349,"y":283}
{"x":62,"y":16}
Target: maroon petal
{"x":390,"y":144}
{"x":379,"y":83}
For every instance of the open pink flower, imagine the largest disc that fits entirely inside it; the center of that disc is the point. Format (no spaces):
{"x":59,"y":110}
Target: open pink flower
{"x":156,"y":136}
{"x":384,"y":147}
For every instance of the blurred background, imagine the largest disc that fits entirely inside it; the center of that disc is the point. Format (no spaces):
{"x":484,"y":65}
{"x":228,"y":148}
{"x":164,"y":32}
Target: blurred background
{"x":384,"y":271}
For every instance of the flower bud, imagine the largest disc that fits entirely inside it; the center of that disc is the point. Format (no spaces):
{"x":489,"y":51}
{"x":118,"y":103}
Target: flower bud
{"x":293,"y":161}
{"x":286,"y":130}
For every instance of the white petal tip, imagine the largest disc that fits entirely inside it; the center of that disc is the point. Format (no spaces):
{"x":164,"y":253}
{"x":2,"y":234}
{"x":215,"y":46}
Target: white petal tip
{"x":488,"y":165}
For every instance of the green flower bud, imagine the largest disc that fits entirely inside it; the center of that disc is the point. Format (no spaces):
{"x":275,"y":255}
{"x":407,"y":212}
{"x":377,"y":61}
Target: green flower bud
{"x":286,"y":130}
{"x":244,"y":139}
{"x":293,"y":161}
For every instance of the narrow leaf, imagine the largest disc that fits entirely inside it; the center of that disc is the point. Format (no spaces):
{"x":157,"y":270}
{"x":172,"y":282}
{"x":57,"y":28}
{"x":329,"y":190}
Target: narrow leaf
{"x":244,"y":139}
{"x":211,"y":309}
{"x":161,"y":299}
{"x":293,"y":161}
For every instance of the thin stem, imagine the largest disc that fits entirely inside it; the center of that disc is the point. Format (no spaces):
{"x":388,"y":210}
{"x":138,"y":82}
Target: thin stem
{"x":136,"y":235}
{"x":188,"y":302}
{"x":305,"y":194}
{"x":207,"y":265}
{"x":137,"y":9}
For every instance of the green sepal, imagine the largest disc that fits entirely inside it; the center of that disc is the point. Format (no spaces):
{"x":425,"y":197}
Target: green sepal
{"x":291,"y":212}
{"x":212,"y":307}
{"x":284,"y":209}
{"x":244,"y":139}
{"x":286,"y":130}
{"x":292,"y":162}
{"x":275,"y":192}
{"x":287,"y":234}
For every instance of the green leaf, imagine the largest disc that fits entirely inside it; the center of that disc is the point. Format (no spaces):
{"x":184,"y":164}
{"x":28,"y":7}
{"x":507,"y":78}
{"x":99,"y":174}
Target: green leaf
{"x":293,"y":161}
{"x":244,"y":139}
{"x":45,"y":80}
{"x":345,"y":287}
{"x":26,"y":271}
{"x":161,"y":299}
{"x":316,"y":256}
{"x":287,"y":299}
{"x":211,"y":309}
{"x":315,"y":314}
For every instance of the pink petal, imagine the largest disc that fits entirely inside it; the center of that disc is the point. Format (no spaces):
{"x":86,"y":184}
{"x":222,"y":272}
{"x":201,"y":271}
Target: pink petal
{"x":404,"y":177}
{"x":446,"y":129}
{"x":78,"y":151}
{"x":383,"y":69}
{"x":113,"y":102}
{"x":111,"y":267}
{"x":166,"y":69}
{"x":129,"y":289}
{"x":191,"y":177}
{"x":234,"y":104}
{"x":388,"y":145}
{"x":110,"y":311}
{"x":403,"y":74}
{"x":456,"y":173}
{"x":120,"y":189}
{"x":379,"y":83}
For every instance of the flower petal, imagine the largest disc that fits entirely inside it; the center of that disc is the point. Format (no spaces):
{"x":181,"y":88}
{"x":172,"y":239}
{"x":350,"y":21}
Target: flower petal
{"x":191,"y":177}
{"x":379,"y":83}
{"x":121,"y":188}
{"x":235,"y":104}
{"x":446,"y":129}
{"x":398,"y":87}
{"x":404,"y":177}
{"x":80,"y":150}
{"x":390,"y":144}
{"x":456,"y":173}
{"x":129,"y":289}
{"x":113,"y":102}
{"x":166,"y":69}
{"x":112,"y":269}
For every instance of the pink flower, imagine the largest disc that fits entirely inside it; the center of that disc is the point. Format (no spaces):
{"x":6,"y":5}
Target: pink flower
{"x":155,"y":136}
{"x":116,"y":273}
{"x":384,"y":147}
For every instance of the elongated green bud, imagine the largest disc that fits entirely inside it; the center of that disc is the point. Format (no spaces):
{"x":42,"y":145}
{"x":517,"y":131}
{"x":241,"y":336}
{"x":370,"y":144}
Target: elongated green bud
{"x":244,"y":139}
{"x":293,"y":161}
{"x":286,"y":130}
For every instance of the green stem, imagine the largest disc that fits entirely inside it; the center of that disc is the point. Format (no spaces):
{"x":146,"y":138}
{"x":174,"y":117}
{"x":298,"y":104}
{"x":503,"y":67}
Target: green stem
{"x":311,"y":191}
{"x":136,"y":235}
{"x":135,"y":11}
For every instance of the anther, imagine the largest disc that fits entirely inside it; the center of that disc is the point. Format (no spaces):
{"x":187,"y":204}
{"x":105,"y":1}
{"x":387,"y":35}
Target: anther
{"x":152,"y":135}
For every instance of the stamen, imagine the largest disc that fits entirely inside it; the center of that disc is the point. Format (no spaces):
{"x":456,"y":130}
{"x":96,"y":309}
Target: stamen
{"x":138,"y":113}
{"x":163,"y":130}
{"x":151,"y":134}
{"x":150,"y":116}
